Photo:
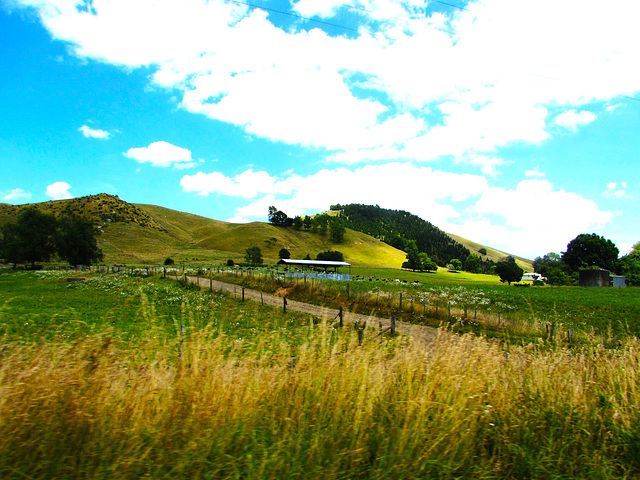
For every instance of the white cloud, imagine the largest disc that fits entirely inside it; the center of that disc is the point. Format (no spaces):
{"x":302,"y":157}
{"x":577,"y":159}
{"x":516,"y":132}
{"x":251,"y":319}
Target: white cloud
{"x":535,"y":172}
{"x":616,"y":190}
{"x":17,"y":194}
{"x":89,"y":132}
{"x":161,"y":154}
{"x":58,"y":191}
{"x":400,"y":89}
{"x":533,"y":219}
{"x":421,"y":190}
{"x":572,"y":120}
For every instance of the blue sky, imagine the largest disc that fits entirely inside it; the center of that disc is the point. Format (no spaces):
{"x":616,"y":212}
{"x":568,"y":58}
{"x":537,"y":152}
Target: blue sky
{"x":511,"y":123}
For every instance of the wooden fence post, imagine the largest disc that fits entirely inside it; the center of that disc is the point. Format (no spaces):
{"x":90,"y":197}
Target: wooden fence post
{"x":360,"y":335}
{"x":393,"y":325}
{"x":400,"y":300}
{"x":340,"y":316}
{"x":243,"y":294}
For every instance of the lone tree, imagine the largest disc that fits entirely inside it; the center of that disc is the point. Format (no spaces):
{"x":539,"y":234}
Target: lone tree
{"x":76,"y":240}
{"x":30,"y":239}
{"x":590,"y":250}
{"x":509,"y":271}
{"x":253,"y":256}
{"x":284,"y":254}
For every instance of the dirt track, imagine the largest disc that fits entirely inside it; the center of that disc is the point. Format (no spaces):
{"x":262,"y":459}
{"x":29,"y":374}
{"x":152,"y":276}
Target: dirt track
{"x":417,"y":332}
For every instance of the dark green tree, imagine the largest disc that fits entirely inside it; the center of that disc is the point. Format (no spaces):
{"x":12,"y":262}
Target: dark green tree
{"x":590,"y":250}
{"x":482,"y":251}
{"x":76,"y":240}
{"x":336,"y":231}
{"x":553,"y":269}
{"x":509,"y":271}
{"x":30,"y":239}
{"x":426,"y":263}
{"x":284,"y":254}
{"x":253,"y":256}
{"x":473,"y":264}
{"x":297,"y":222}
{"x":455,"y":264}
{"x":413,"y":257}
{"x":331,"y":256}
{"x":278,"y":217}
{"x":629,"y":266}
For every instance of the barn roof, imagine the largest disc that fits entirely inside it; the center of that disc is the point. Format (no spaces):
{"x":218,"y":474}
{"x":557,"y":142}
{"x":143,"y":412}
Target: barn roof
{"x":313,"y":263}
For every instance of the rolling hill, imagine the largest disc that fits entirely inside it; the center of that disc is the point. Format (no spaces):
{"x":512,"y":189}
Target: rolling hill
{"x":148,"y":234}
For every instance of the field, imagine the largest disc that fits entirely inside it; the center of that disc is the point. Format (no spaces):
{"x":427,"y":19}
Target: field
{"x":123,"y":376}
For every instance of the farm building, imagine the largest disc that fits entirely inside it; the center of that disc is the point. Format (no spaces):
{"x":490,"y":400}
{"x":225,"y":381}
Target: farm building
{"x":309,"y":268}
{"x":532,"y":277}
{"x":600,"y":278}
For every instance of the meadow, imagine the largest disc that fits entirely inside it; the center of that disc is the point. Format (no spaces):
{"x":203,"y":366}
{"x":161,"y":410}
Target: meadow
{"x":493,"y":309}
{"x":99,"y":380}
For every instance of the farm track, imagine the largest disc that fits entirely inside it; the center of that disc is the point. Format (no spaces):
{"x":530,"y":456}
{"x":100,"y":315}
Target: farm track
{"x":420,"y":333}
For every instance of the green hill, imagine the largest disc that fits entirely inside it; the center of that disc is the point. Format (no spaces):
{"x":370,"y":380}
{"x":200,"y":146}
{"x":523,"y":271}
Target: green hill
{"x":139,"y":234}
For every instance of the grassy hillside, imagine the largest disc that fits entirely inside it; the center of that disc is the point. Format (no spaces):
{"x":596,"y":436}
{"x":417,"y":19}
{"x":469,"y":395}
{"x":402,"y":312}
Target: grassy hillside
{"x":492,"y":253}
{"x":138,"y":233}
{"x":200,"y":238}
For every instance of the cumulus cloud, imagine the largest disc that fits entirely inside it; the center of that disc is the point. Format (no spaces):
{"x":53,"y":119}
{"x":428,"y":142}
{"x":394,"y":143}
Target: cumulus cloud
{"x":161,"y":154}
{"x":58,"y":191}
{"x":89,"y":132}
{"x":17,"y":194}
{"x":412,"y":84}
{"x":534,"y":218}
{"x":396,"y":185}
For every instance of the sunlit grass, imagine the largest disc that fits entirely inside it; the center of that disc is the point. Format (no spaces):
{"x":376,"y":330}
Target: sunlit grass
{"x":120,"y":391}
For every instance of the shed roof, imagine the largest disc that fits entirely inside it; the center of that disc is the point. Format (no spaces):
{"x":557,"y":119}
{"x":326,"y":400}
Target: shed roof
{"x":313,"y":263}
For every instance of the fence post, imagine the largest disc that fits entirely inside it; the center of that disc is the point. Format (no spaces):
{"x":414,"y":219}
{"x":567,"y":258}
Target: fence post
{"x":340,"y":316}
{"x":348,"y":290}
{"x":400,"y":300}
{"x":449,"y":305}
{"x":211,"y":285}
{"x":393,"y":325}
{"x":465,"y":311}
{"x":437,"y":305}
{"x":360,"y":335}
{"x":243,"y":294}
{"x":284,"y":305}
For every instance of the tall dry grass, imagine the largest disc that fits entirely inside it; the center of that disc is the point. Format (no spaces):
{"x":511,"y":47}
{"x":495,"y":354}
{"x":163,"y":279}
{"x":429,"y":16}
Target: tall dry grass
{"x":462,"y":407}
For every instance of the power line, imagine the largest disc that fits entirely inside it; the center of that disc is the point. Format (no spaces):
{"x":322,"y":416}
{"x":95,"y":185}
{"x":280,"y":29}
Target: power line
{"x":295,"y":15}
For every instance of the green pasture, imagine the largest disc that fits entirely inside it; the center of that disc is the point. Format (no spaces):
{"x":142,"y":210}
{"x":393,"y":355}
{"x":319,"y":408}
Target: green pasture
{"x":42,"y":306}
{"x":97,"y":382}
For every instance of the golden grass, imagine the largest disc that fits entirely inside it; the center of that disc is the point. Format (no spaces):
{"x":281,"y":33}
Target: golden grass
{"x":462,"y":407}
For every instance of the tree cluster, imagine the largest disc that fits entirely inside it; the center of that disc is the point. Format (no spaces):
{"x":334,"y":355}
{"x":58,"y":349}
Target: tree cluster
{"x":37,"y":237}
{"x":318,"y":224}
{"x":398,"y":228}
{"x":588,"y":251}
{"x":331,"y":256}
